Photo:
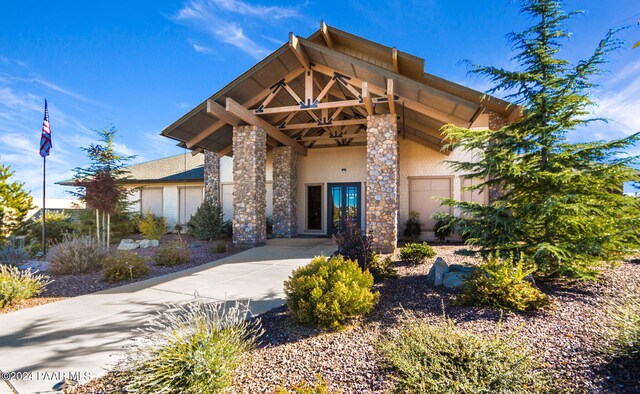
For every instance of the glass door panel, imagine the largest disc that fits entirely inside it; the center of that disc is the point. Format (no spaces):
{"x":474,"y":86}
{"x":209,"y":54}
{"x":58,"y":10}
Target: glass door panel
{"x":343,"y":203}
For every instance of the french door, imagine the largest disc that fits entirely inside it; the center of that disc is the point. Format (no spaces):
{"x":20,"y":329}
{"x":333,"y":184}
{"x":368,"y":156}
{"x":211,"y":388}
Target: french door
{"x":343,"y":203}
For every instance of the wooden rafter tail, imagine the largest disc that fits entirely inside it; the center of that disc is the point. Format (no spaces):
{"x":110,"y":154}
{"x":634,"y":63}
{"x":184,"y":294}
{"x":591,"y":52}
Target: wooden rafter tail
{"x":394,"y":60}
{"x":391,"y":97}
{"x":249,"y":103}
{"x":221,"y":113}
{"x":303,"y":58}
{"x":366,"y":98}
{"x":197,"y":151}
{"x":249,"y":117}
{"x":226,"y":151}
{"x":325,"y":33}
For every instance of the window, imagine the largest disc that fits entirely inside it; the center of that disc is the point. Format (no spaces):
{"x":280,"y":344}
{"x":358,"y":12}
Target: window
{"x":151,"y":200}
{"x":189,"y":199}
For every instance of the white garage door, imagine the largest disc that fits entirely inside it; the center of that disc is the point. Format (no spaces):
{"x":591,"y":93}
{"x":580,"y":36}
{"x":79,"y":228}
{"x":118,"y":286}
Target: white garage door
{"x":151,"y":200}
{"x":189,"y":199}
{"x":423,"y":193}
{"x":478,"y":196}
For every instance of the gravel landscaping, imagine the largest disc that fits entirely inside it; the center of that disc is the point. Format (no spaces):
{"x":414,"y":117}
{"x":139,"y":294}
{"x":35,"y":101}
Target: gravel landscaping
{"x":65,"y":286}
{"x":566,"y":336}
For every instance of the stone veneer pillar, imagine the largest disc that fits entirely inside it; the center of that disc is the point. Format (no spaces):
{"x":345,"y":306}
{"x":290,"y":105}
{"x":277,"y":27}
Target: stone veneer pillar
{"x":284,"y":192}
{"x":250,"y":185}
{"x":382,"y":182}
{"x":496,"y":122}
{"x":212,"y":177}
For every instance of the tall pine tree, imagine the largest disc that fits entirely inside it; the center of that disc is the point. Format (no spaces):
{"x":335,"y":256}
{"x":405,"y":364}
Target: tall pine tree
{"x":560,"y":203}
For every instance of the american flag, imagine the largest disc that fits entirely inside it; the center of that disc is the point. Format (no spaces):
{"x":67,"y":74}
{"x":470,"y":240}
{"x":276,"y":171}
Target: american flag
{"x":45,"y":140}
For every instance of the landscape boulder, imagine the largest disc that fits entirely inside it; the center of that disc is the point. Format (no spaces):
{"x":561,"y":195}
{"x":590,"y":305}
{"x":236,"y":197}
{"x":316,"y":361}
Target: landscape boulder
{"x":437,"y":272}
{"x":454,"y":279}
{"x":149,"y":243}
{"x":128,"y":244}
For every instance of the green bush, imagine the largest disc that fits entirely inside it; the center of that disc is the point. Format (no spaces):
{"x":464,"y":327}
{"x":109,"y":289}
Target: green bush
{"x":124,"y":266}
{"x":152,"y":226}
{"x":327,"y":292}
{"x":11,"y":255}
{"x":123,"y":224}
{"x":502,"y":284}
{"x":220,"y":247}
{"x":207,"y":222}
{"x":412,"y":229}
{"x":444,"y":225}
{"x":416,"y":252}
{"x":381,"y":268}
{"x":175,"y":253}
{"x":58,"y":225}
{"x":75,"y":256}
{"x":304,"y":387}
{"x":191,"y":349}
{"x":443,"y":359}
{"x":622,"y":330}
{"x":17,"y":285}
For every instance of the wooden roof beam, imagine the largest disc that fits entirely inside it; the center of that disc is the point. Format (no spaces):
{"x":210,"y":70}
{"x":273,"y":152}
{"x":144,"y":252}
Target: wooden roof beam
{"x":249,"y":103}
{"x":394,"y":60}
{"x":221,"y":113}
{"x":366,"y":98}
{"x":422,"y":128}
{"x":197,"y":151}
{"x":303,"y":58}
{"x":391,"y":97}
{"x":249,"y":117}
{"x":297,"y":126}
{"x":326,"y":35}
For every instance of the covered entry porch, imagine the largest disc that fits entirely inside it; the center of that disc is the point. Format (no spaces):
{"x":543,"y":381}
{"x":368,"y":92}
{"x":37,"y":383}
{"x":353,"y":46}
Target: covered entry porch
{"x":332,"y":111}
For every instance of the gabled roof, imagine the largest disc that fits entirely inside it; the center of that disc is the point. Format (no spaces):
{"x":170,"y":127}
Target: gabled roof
{"x":307,"y":68}
{"x":178,"y":168}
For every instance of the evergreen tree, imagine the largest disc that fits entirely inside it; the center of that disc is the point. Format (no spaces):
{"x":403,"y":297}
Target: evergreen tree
{"x":101,"y":185}
{"x":15,"y":202}
{"x":560,"y":203}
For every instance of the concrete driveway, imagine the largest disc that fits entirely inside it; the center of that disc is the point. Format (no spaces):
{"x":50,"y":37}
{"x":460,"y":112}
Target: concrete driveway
{"x":83,"y":336}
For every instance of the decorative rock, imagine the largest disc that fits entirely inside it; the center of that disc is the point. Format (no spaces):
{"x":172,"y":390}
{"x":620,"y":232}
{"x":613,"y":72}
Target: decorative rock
{"x":454,"y":279}
{"x":465,"y":269}
{"x":128,"y":244}
{"x":529,"y":278}
{"x":148,"y":243}
{"x":437,"y":272}
{"x":382,"y":181}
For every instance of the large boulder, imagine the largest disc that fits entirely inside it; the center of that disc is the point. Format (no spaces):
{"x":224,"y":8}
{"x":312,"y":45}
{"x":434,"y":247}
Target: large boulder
{"x":465,"y":269}
{"x":454,"y":279}
{"x":128,"y":244}
{"x":148,"y":243}
{"x":437,"y":272}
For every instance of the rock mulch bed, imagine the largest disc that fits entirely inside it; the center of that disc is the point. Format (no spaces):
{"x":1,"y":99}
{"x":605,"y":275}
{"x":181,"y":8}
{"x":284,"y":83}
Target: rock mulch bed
{"x":566,"y":336}
{"x":65,"y":286}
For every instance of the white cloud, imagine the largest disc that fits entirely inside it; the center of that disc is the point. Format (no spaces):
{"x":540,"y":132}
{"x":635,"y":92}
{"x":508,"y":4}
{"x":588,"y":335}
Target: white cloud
{"x":224,"y":21}
{"x":200,"y":48}
{"x":620,"y":102}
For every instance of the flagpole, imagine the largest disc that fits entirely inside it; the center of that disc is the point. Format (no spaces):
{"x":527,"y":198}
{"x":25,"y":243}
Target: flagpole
{"x":44,"y":204}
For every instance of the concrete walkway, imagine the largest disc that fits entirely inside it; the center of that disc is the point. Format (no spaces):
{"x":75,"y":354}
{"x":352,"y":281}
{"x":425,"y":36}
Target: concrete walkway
{"x":85,"y":335}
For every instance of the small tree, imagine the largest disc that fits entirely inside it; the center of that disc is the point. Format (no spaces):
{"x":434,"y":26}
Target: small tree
{"x":558,"y":202}
{"x":15,"y":202}
{"x":100,"y":185}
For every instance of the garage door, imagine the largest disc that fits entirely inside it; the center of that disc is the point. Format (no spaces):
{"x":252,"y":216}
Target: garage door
{"x":151,"y":200}
{"x":190,"y":198}
{"x":423,"y":193}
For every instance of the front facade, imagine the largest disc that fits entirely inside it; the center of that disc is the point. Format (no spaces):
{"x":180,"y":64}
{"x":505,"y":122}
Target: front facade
{"x":330,"y":128}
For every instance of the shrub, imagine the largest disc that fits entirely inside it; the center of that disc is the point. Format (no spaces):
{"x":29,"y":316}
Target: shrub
{"x":192,"y":348}
{"x":124,"y":266}
{"x":58,"y":225}
{"x":443,"y":359}
{"x":412,"y":228}
{"x":122,"y":224}
{"x":304,"y":387}
{"x":11,"y":255}
{"x":206,"y":223}
{"x":175,"y":253}
{"x":381,"y":268}
{"x":416,"y":252}
{"x":152,"y":226}
{"x":502,"y":284}
{"x":353,"y":245}
{"x":17,"y":285}
{"x":75,"y":256}
{"x":327,"y":292}
{"x":444,"y":225}
{"x":622,"y":331}
{"x":220,"y":247}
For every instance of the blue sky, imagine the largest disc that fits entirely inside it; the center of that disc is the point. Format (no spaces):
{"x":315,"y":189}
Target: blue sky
{"x":143,"y":64}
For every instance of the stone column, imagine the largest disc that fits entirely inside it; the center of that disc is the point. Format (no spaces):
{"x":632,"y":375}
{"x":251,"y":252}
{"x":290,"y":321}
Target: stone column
{"x":250,"y":185}
{"x":382,"y":182}
{"x":212,"y":177}
{"x":496,"y":122}
{"x":284,"y":192}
